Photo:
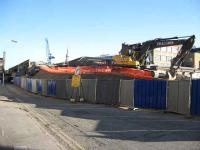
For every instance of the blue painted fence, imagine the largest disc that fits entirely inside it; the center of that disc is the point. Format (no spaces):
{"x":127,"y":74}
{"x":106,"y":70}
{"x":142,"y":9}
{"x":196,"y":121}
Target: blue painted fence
{"x":51,"y":88}
{"x":150,"y":94}
{"x":28,"y":85}
{"x":39,"y":86}
{"x":195,"y":98}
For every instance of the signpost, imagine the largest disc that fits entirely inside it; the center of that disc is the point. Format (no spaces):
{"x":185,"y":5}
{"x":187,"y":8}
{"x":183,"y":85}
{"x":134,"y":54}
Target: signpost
{"x":76,"y":86}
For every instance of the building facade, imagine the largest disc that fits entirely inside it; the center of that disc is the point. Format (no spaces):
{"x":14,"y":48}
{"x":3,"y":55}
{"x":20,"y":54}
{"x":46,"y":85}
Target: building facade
{"x":162,"y":56}
{"x":193,"y":59}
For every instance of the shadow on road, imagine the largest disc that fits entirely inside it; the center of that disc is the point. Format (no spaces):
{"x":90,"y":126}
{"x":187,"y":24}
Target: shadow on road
{"x":114,"y":123}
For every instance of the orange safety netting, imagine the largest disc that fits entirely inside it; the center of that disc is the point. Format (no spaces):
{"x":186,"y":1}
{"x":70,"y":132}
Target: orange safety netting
{"x":128,"y":72}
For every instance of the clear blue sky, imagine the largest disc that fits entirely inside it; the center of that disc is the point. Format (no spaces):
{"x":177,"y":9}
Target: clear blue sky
{"x":90,"y":27}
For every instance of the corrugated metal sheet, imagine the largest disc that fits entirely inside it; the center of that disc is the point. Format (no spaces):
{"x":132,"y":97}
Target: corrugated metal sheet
{"x":29,"y":85}
{"x":51,"y":87}
{"x":126,"y":96}
{"x":39,"y":86}
{"x":195,"y":97}
{"x":34,"y":88}
{"x":44,"y":87}
{"x":61,"y":88}
{"x":150,"y":94}
{"x":107,"y":92}
{"x":89,"y":90}
{"x":178,"y":96}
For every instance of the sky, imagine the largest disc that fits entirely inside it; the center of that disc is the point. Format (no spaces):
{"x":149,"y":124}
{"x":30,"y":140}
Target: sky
{"x":89,"y":27}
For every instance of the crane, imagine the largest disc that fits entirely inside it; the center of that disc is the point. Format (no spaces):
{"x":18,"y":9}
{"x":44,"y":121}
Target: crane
{"x":48,"y":54}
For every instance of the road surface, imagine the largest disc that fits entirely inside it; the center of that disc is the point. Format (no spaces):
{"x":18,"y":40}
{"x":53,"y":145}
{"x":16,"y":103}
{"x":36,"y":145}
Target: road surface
{"x":59,"y":124}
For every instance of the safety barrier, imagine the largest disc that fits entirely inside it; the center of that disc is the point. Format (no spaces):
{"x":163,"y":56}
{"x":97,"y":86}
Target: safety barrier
{"x":61,"y":89}
{"x":68,"y":89}
{"x":107,"y":92}
{"x":23,"y":82}
{"x":51,"y":88}
{"x":89,"y":90}
{"x":126,"y":93}
{"x":195,"y":97}
{"x":34,"y":87}
{"x":178,"y":97}
{"x":44,"y":87}
{"x":150,"y":94}
{"x":17,"y":81}
{"x":182,"y":96}
{"x":39,"y":86}
{"x":28,"y":85}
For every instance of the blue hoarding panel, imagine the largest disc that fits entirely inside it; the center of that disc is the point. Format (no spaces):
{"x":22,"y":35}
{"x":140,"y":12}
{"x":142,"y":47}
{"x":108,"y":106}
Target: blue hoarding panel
{"x":51,"y":88}
{"x":150,"y":94}
{"x":195,"y":98}
{"x":29,"y":85}
{"x":17,"y":81}
{"x":39,"y":86}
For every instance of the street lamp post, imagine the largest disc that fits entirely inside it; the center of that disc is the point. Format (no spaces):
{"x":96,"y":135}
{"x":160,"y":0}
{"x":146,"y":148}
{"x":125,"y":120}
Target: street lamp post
{"x":4,"y":58}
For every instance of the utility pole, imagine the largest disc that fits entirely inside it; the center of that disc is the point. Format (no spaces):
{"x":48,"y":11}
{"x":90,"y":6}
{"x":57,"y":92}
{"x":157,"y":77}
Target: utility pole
{"x":66,"y":59}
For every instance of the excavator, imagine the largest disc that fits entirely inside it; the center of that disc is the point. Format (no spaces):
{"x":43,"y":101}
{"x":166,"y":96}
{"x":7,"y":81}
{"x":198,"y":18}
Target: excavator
{"x":136,"y":55}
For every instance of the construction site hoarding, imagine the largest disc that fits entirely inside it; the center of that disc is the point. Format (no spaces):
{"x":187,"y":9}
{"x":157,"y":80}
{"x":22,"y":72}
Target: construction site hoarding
{"x":39,"y":86}
{"x":107,"y":92}
{"x":178,"y":97}
{"x":172,"y":96}
{"x":89,"y":90}
{"x":29,"y":85}
{"x":68,"y":89}
{"x":23,"y":82}
{"x":44,"y":87}
{"x":34,"y":87}
{"x":195,"y":97}
{"x":150,"y":94}
{"x":126,"y":93}
{"x":17,"y":81}
{"x":61,"y":88}
{"x":51,"y":87}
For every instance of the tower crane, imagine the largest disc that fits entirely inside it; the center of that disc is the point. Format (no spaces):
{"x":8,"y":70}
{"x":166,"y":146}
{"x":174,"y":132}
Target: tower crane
{"x":48,"y":53}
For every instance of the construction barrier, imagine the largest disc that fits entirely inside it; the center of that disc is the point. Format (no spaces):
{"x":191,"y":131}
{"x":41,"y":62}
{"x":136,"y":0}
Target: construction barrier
{"x":107,"y":92}
{"x":29,"y":85}
{"x":181,"y":96}
{"x":126,"y":93}
{"x":195,"y":97}
{"x":51,"y":88}
{"x":17,"y":81}
{"x":23,"y":82}
{"x":178,"y":97}
{"x":39,"y":86}
{"x":68,"y":89}
{"x":89,"y":90}
{"x":44,"y":87}
{"x":34,"y":87}
{"x":150,"y":94}
{"x":61,"y":88}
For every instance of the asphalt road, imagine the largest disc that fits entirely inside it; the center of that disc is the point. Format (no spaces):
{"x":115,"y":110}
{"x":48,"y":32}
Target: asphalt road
{"x":88,"y":126}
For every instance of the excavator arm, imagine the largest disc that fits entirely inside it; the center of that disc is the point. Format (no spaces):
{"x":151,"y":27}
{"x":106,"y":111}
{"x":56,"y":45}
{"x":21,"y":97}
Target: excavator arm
{"x":140,"y":51}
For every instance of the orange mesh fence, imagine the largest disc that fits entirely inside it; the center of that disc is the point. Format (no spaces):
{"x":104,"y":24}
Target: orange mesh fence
{"x":128,"y":72}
